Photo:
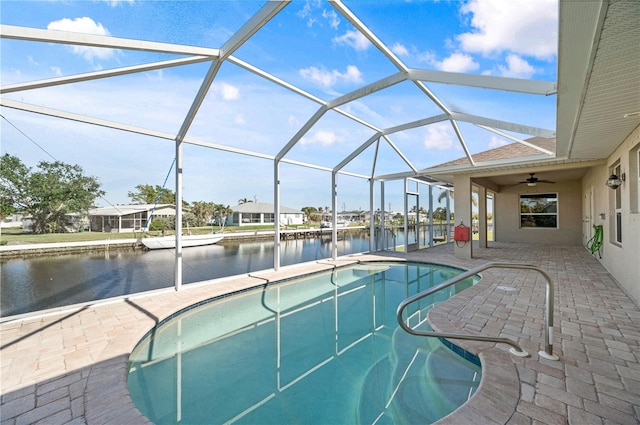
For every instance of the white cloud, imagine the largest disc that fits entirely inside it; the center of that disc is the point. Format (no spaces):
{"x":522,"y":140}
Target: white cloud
{"x":294,"y":122}
{"x":56,"y":71}
{"x":306,"y":9}
{"x":114,"y":3}
{"x":524,"y":27}
{"x":458,"y":62}
{"x":86,"y":26}
{"x":155,"y":75}
{"x":332,"y":17}
{"x":320,"y":137}
{"x":439,"y":137}
{"x":399,"y":49}
{"x":354,"y":39}
{"x":427,"y":57}
{"x":306,"y":12}
{"x":239,"y":119}
{"x":516,"y":68}
{"x":496,"y":142}
{"x":227,"y":91}
{"x":327,"y":79}
{"x":32,"y":61}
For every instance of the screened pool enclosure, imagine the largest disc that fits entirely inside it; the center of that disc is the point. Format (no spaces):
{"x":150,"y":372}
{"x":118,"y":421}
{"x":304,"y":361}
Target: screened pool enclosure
{"x":329,"y":90}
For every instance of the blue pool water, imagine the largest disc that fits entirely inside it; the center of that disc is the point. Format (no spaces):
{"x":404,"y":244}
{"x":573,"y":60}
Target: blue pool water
{"x":325,"y":349}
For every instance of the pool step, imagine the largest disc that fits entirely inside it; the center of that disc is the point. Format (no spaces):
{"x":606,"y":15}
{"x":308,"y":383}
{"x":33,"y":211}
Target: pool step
{"x":414,"y":385}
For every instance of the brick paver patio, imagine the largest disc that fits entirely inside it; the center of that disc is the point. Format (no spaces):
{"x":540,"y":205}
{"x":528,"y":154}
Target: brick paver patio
{"x":69,"y":367}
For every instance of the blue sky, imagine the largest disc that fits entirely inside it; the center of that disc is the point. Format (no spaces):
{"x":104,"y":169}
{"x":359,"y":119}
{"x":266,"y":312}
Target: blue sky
{"x":308,"y":44}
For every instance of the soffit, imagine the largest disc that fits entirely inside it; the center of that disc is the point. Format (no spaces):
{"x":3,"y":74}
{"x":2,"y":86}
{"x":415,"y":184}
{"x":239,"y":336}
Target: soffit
{"x":598,"y":78}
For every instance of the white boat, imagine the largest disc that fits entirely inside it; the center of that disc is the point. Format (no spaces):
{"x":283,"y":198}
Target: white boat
{"x":164,"y":242}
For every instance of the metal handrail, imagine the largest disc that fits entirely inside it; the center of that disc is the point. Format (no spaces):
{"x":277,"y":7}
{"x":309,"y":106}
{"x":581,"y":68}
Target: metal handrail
{"x":516,"y":350}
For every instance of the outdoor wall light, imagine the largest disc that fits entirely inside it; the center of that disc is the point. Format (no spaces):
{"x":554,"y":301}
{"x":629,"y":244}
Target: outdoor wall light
{"x":614,"y":182}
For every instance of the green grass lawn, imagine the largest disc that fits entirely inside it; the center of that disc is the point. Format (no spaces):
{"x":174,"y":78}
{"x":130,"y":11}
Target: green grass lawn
{"x":15,"y":235}
{"x":476,"y":236}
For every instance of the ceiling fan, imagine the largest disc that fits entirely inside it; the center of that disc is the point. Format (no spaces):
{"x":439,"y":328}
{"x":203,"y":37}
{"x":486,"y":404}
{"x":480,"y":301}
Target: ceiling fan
{"x":532,"y":180}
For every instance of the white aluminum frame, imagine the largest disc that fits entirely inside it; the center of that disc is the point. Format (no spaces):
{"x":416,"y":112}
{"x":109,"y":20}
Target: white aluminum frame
{"x":216,"y":57}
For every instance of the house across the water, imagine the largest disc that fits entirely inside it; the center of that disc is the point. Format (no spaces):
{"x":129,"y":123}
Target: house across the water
{"x":255,"y":213}
{"x":127,"y":218}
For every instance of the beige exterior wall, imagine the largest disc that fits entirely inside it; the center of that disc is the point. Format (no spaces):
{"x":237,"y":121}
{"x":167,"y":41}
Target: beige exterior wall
{"x":622,"y":260}
{"x":507,"y":215}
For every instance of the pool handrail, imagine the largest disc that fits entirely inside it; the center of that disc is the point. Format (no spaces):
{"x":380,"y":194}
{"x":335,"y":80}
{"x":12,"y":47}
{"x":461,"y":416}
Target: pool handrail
{"x":516,"y":349}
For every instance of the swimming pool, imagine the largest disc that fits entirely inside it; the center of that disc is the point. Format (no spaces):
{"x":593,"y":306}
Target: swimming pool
{"x":323,"y":349}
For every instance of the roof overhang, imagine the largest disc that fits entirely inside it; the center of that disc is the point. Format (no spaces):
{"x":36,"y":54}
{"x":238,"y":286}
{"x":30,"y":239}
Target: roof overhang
{"x":598,"y":76}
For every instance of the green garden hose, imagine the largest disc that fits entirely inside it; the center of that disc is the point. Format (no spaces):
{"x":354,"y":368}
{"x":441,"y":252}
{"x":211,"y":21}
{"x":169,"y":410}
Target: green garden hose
{"x":595,"y":244}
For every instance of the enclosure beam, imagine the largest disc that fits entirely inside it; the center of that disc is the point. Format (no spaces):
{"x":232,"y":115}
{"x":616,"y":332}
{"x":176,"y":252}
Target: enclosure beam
{"x":80,"y":39}
{"x":504,"y":125}
{"x":517,"y":140}
{"x":178,"y":256}
{"x":518,"y":85}
{"x":448,"y":215}
{"x":276,"y":215}
{"x":430,"y":216}
{"x":334,"y":216}
{"x":372,"y":222}
{"x":383,"y":233}
{"x":406,"y":215}
{"x":11,"y":88}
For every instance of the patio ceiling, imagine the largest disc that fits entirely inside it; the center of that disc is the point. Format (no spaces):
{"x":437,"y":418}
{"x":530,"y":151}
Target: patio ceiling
{"x":598,"y":85}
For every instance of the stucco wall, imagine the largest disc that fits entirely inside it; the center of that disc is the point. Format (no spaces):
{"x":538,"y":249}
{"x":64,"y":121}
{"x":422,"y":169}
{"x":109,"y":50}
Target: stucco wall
{"x":507,"y":215}
{"x":621,"y":260}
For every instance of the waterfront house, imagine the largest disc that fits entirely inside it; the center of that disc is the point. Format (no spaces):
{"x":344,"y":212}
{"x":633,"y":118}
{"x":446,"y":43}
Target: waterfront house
{"x":127,"y":218}
{"x":256,"y":213}
{"x":73,"y":222}
{"x":11,"y":220}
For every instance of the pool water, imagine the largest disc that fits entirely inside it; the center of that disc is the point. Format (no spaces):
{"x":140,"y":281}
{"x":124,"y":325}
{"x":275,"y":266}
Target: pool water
{"x":325,"y":349}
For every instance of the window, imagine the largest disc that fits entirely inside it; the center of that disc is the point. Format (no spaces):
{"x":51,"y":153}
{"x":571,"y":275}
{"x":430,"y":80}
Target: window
{"x":539,"y":210}
{"x":268,"y":218}
{"x":251,"y":218}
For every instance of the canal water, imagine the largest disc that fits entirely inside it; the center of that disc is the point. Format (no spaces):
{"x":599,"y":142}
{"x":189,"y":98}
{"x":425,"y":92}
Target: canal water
{"x":39,"y":283}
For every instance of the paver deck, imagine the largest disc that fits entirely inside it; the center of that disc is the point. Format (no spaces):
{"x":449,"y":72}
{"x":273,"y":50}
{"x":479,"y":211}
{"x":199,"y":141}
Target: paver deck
{"x":69,"y":367}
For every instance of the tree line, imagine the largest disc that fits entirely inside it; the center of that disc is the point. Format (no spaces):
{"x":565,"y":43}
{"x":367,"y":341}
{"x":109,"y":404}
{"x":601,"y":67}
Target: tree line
{"x":55,"y":190}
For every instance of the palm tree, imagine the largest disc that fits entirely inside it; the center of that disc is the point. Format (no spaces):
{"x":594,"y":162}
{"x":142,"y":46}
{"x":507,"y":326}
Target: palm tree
{"x":243,"y":201}
{"x":221,"y":212}
{"x":443,"y":195}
